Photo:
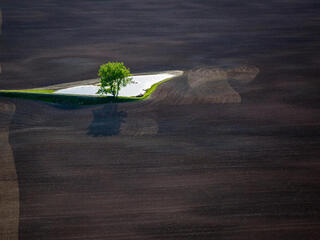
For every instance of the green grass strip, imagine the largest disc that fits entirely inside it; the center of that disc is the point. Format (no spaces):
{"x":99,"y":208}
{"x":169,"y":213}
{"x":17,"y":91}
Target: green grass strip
{"x":153,"y":88}
{"x":29,"y":91}
{"x":50,"y":96}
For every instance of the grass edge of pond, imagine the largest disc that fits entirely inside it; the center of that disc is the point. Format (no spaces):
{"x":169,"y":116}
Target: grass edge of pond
{"x":49,"y":96}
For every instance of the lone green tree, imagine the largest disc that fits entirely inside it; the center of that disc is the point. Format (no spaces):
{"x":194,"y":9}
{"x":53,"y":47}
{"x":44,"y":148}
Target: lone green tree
{"x":113,"y":76}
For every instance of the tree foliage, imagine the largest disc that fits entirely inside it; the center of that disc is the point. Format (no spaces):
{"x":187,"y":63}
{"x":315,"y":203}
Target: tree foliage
{"x":113,"y":76}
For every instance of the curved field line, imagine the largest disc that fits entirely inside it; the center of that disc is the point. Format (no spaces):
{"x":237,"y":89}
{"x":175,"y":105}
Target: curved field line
{"x":9,"y":188}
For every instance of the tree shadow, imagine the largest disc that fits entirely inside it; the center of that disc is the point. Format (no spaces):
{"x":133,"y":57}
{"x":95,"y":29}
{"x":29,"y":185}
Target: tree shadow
{"x":106,"y":121}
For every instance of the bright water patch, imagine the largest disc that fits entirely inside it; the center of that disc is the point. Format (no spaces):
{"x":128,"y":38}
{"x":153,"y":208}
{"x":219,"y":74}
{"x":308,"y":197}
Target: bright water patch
{"x":140,"y":84}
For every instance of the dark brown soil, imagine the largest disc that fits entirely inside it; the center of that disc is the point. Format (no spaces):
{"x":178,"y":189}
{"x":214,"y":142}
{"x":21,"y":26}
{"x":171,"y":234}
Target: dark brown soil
{"x":189,"y":163}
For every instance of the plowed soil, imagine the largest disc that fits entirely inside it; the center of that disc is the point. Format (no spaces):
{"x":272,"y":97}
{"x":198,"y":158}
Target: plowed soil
{"x":229,"y":150}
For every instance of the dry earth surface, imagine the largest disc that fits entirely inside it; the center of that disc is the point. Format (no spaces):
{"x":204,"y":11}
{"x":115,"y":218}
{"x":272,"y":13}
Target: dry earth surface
{"x":9,"y":192}
{"x":229,"y":150}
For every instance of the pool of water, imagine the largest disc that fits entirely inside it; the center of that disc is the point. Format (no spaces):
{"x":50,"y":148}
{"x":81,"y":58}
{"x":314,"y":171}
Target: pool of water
{"x":140,"y":84}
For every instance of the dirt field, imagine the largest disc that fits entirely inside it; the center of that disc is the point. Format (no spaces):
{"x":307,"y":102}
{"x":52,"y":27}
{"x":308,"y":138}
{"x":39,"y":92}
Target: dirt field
{"x":223,"y":152}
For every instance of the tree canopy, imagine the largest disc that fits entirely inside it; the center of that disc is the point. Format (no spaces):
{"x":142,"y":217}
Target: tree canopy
{"x":113,"y":76}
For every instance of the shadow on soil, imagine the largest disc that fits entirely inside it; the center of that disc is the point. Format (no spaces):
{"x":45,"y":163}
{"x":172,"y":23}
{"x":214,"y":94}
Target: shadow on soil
{"x":106,"y":121}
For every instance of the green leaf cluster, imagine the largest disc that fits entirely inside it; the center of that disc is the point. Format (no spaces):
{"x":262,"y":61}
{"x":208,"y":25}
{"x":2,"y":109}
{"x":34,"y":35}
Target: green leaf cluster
{"x":113,"y":76}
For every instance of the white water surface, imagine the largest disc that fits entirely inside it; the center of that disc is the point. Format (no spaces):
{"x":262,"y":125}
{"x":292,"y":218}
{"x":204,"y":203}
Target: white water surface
{"x":140,"y":84}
